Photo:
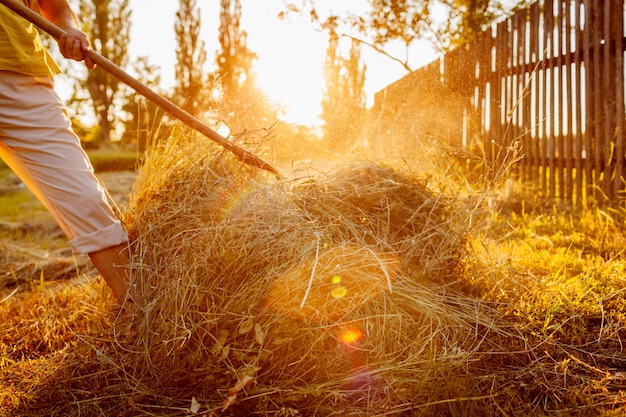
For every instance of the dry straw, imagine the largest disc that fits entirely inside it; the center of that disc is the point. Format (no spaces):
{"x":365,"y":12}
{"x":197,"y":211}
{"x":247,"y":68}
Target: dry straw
{"x":19,"y":264}
{"x":310,"y":296}
{"x":349,"y":293}
{"x":333,"y":295}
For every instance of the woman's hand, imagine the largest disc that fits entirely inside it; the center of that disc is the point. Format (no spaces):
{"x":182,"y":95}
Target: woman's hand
{"x":75,"y":45}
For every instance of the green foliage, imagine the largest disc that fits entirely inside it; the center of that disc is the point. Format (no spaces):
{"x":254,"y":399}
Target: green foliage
{"x":106,"y":22}
{"x":466,"y":19}
{"x":90,"y":136}
{"x":404,"y":20}
{"x":447,"y":23}
{"x":241,"y":105}
{"x":444,"y":23}
{"x":234,"y":59}
{"x":112,"y":159}
{"x":4,"y":169}
{"x":14,"y":204}
{"x":103,"y":160}
{"x":146,"y":124}
{"x":190,"y":93}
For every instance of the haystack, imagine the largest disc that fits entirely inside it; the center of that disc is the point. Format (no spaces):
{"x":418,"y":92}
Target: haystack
{"x":307,"y":296}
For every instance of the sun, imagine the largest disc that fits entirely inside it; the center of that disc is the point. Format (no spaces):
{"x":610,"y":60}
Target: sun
{"x":290,"y":53}
{"x":290,"y":64}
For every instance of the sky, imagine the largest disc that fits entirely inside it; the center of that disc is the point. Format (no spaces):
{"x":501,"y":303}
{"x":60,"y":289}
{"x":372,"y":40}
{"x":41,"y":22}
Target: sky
{"x":291,"y":53}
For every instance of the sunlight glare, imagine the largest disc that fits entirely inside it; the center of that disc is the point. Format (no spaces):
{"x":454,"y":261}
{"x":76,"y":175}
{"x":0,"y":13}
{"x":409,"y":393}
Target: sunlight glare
{"x":351,"y":336}
{"x":339,"y":292}
{"x":291,"y":53}
{"x":289,"y":68}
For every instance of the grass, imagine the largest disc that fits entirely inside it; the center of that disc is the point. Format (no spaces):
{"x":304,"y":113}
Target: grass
{"x":25,"y":218}
{"x":114,"y":159}
{"x":19,"y":204}
{"x":486,"y":310}
{"x":558,"y":274}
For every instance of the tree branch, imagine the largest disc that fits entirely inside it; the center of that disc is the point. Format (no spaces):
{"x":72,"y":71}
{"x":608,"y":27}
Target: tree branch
{"x":378,"y":49}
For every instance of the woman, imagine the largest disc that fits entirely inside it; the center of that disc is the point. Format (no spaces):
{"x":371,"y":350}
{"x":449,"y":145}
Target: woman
{"x":38,"y":144}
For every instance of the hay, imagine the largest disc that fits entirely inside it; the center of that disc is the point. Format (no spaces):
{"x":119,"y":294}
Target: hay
{"x":22,"y":264}
{"x":303,"y":296}
{"x":349,"y":293}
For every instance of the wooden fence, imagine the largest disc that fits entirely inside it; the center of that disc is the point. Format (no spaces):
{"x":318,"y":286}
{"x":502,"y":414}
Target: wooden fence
{"x":544,"y":88}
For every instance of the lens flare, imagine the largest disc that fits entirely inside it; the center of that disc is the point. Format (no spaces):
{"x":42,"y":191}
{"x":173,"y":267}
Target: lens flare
{"x":333,"y":284}
{"x":338,"y":292}
{"x":351,"y":336}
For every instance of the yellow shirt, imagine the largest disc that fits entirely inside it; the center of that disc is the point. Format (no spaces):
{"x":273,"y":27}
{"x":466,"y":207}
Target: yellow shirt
{"x":21,"y":49}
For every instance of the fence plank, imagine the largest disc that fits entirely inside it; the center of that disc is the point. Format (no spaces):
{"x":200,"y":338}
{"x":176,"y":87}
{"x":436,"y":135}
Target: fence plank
{"x":605,"y":134}
{"x":618,"y":75}
{"x":507,"y":47}
{"x":524,"y":101}
{"x":494,"y":118}
{"x":549,"y":79}
{"x":568,"y":96}
{"x":598,"y":142}
{"x":549,"y":92}
{"x":543,"y":116}
{"x":588,"y":101}
{"x":557,"y":78}
{"x":578,"y":93}
{"x":535,"y":57}
{"x":499,"y":102}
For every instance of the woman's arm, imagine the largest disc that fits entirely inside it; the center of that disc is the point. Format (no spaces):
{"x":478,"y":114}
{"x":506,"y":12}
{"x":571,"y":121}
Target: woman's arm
{"x":75,"y":43}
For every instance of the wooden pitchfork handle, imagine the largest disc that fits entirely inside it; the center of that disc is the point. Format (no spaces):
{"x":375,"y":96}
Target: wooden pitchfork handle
{"x":191,"y":121}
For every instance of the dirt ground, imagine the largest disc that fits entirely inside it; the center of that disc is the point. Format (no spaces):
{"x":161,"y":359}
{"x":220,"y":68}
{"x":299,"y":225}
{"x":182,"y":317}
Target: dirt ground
{"x":119,"y":184}
{"x":33,"y":247}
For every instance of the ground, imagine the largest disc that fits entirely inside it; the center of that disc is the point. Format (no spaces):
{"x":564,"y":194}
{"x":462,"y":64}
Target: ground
{"x":33,"y":246}
{"x":530,"y":323}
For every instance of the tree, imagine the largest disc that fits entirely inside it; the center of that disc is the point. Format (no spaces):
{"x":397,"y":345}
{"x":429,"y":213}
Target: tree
{"x":467,"y":18}
{"x":234,"y":60}
{"x":396,"y":20}
{"x":343,"y":104}
{"x":106,"y":22}
{"x":445,"y":23}
{"x":189,"y":91}
{"x":243,"y":104}
{"x":145,"y":125}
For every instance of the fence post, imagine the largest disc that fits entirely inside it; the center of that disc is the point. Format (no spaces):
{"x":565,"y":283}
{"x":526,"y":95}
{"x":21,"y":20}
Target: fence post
{"x":550,"y":78}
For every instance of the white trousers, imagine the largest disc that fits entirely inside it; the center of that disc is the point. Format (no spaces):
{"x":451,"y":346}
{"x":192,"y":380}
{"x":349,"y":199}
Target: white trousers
{"x":38,"y":144}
